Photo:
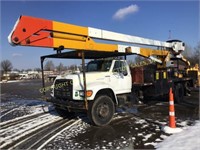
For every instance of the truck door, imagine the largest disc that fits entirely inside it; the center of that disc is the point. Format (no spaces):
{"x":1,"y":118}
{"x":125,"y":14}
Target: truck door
{"x":121,"y":78}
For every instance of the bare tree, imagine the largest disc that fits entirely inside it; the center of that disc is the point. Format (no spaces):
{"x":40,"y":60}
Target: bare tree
{"x":49,"y":66}
{"x":6,"y":66}
{"x":72,"y":67}
{"x":15,"y":69}
{"x":37,"y":69}
{"x":192,"y":55}
{"x":197,"y":53}
{"x":139,"y":59}
{"x":188,"y":51}
{"x":29,"y":69}
{"x":60,"y":67}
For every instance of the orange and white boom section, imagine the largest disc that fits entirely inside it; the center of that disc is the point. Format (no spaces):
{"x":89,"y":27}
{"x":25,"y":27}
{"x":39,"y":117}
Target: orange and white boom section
{"x":30,"y":31}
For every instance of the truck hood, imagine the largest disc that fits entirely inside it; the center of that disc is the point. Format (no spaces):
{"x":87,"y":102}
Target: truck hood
{"x":91,"y":77}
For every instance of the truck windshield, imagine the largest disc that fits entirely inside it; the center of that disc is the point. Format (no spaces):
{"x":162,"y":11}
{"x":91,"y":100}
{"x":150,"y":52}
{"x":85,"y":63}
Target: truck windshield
{"x":99,"y":65}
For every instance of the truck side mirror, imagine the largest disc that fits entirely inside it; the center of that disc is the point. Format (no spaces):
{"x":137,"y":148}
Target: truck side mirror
{"x":125,"y":73}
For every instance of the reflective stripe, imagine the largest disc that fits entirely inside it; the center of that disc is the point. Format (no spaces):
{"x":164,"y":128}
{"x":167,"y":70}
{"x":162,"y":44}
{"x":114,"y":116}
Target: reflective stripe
{"x":172,"y":113}
{"x":164,"y":75}
{"x":157,"y":75}
{"x":171,"y":102}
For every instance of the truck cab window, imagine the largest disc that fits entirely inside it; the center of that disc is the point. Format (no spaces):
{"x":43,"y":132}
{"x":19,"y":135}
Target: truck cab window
{"x":120,"y":66}
{"x":99,"y":65}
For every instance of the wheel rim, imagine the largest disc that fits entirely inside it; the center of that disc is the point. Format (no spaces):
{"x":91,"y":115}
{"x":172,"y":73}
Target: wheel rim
{"x":103,"y":110}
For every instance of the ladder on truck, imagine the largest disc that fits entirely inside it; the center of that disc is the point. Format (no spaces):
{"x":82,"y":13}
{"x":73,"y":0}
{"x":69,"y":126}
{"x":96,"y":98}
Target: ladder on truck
{"x":37,"y":32}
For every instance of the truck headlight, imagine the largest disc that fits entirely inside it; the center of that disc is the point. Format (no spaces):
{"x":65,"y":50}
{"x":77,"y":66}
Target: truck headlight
{"x":88,"y":93}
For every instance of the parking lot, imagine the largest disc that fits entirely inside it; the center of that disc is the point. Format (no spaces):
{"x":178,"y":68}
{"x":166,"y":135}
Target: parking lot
{"x":136,"y":127}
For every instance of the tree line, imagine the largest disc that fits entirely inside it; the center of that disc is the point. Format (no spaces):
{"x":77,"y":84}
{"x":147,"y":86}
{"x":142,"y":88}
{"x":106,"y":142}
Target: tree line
{"x":192,"y":54}
{"x":6,"y":66}
{"x":49,"y":66}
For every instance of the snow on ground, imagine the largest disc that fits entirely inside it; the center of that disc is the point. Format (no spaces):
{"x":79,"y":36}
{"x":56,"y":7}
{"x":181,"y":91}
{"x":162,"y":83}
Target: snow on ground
{"x":15,"y":108}
{"x":10,"y":81}
{"x":14,"y":133}
{"x":64,"y":139}
{"x":169,"y":130}
{"x":187,"y":139}
{"x":126,"y":131}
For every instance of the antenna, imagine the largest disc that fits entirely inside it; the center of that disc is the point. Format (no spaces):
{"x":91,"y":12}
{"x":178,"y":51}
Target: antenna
{"x":170,"y":35}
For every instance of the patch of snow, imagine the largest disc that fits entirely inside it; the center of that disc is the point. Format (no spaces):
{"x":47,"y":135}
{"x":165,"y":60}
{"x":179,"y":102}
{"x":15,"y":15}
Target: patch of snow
{"x":163,"y":136}
{"x":183,"y":123}
{"x":16,"y":108}
{"x":65,"y":137}
{"x":144,"y":126}
{"x":169,"y":130}
{"x":157,"y":129}
{"x":152,"y":143}
{"x":18,"y":131}
{"x":18,"y":118}
{"x":45,"y":143}
{"x":8,"y":112}
{"x":117,"y":116}
{"x":141,"y":121}
{"x":158,"y":140}
{"x":133,"y":138}
{"x":146,"y":137}
{"x":140,"y":134}
{"x":11,"y":81}
{"x":187,"y":139}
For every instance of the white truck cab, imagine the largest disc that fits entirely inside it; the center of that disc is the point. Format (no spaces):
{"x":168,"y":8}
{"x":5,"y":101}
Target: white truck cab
{"x":101,"y":74}
{"x":105,"y":78}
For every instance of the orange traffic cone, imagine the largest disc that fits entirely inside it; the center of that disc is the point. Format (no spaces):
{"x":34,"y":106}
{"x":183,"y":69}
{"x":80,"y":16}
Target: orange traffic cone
{"x":172,"y":122}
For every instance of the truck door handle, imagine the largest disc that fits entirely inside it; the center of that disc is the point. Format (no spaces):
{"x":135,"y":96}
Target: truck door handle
{"x":107,"y":76}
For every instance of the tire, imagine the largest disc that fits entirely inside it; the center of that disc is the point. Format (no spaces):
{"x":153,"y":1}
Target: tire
{"x":187,"y":89}
{"x":179,"y":93}
{"x":101,"y":111}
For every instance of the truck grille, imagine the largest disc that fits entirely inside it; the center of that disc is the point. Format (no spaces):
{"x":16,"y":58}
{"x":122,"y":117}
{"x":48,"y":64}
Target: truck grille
{"x":63,"y":89}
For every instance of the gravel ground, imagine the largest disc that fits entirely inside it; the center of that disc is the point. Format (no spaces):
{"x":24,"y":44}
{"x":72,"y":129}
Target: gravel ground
{"x":26,"y":89}
{"x":135,"y":128}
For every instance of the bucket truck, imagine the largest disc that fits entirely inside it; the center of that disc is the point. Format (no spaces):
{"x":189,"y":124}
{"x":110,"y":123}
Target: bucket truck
{"x":104,"y":84}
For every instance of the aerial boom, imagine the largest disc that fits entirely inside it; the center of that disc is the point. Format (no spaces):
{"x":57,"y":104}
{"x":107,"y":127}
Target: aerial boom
{"x":30,"y":31}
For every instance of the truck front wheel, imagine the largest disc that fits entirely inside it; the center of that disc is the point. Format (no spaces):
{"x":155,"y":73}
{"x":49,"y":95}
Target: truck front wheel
{"x":101,"y":110}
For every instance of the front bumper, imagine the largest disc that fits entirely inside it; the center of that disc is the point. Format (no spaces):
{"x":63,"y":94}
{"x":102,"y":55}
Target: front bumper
{"x":70,"y":105}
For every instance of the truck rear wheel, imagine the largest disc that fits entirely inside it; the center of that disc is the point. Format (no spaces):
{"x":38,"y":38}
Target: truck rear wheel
{"x":101,"y":110}
{"x":179,"y":93}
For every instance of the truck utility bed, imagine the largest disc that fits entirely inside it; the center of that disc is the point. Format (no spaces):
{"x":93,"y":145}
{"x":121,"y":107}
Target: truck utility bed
{"x":143,"y":74}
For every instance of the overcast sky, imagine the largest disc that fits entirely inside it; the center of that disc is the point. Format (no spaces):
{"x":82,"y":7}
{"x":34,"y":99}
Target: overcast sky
{"x":150,"y":19}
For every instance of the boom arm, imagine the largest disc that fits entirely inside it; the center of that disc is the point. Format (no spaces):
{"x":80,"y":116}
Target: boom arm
{"x":30,"y":31}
